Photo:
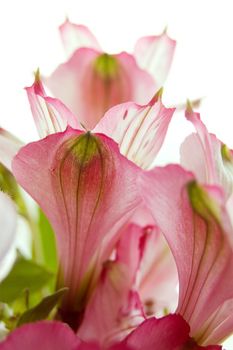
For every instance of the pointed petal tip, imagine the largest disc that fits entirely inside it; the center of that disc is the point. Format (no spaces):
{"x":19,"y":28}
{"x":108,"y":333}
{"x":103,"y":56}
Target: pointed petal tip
{"x":37,"y":75}
{"x":226,"y":153}
{"x":165,"y":30}
{"x":157,"y":97}
{"x":65,"y":22}
{"x":189,"y":106}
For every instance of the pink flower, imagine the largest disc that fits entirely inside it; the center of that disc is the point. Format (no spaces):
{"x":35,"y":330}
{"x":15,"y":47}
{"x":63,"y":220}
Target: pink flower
{"x":92,"y":81}
{"x":139,"y":130}
{"x":77,"y":179}
{"x":196,"y":225}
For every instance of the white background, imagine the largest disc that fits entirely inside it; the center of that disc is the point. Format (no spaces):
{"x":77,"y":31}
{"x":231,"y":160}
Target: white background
{"x":203,"y":64}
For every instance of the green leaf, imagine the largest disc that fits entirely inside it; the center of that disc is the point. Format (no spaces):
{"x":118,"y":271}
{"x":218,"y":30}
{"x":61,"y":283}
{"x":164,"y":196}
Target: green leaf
{"x":42,"y":310}
{"x":25,"y":275}
{"x":48,"y":243}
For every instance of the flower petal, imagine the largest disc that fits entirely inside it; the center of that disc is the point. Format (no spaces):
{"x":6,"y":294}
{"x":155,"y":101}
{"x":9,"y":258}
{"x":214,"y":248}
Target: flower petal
{"x":88,"y":191}
{"x":170,"y":332}
{"x":155,"y":55}
{"x":158,"y":276}
{"x":197,"y":228}
{"x":139,"y":130}
{"x":50,"y":115}
{"x":89,"y":83}
{"x":220,"y":325}
{"x":75,"y":36}
{"x":114,"y":308}
{"x":9,"y":146}
{"x":41,"y":335}
{"x":8,"y":224}
{"x":211,"y":160}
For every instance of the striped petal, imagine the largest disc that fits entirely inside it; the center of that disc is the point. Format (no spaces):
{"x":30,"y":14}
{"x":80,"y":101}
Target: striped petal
{"x":138,"y":130}
{"x":115,"y":309}
{"x":88,"y":191}
{"x":50,"y":115}
{"x":197,"y":228}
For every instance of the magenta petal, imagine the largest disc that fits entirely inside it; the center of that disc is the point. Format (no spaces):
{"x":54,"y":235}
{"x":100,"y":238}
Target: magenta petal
{"x":170,"y":332}
{"x":75,"y":36}
{"x":9,"y":146}
{"x":50,"y":115}
{"x":139,"y":130}
{"x":41,"y":335}
{"x":7,"y":224}
{"x":196,"y":226}
{"x":155,"y":55}
{"x":88,"y":191}
{"x":114,"y":309}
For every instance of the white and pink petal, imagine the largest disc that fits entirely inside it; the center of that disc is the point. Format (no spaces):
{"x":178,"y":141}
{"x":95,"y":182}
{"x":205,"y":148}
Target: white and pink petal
{"x":9,"y":146}
{"x":196,"y":225}
{"x":138,"y":130}
{"x":90,"y":83}
{"x":75,"y":36}
{"x":211,"y":160}
{"x":115,"y":309}
{"x":50,"y":115}
{"x":155,"y":55}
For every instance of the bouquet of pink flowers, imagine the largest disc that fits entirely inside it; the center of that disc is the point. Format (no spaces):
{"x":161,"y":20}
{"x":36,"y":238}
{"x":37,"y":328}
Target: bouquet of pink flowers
{"x":137,"y":256}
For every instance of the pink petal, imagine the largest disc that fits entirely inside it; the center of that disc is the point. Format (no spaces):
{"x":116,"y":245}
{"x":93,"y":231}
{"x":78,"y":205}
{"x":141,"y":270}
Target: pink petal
{"x":87,"y":346}
{"x":155,"y":55}
{"x":212,"y":161}
{"x":193,"y":157}
{"x":158,"y":276}
{"x":9,"y":146}
{"x":170,"y":333}
{"x":196,"y":226}
{"x":139,"y":130}
{"x":88,"y":191}
{"x":89,"y":83}
{"x":50,"y":115}
{"x":142,"y":87}
{"x":114,"y":308}
{"x":75,"y":36}
{"x":7,"y":224}
{"x":41,"y":335}
{"x":220,"y":325}
{"x":205,"y":140}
